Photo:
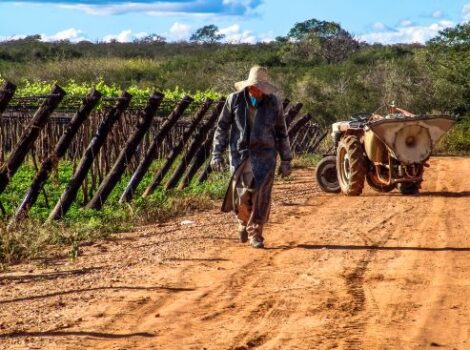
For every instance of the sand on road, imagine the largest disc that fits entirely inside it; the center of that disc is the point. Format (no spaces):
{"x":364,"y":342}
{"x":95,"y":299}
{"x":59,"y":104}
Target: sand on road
{"x":379,"y":271}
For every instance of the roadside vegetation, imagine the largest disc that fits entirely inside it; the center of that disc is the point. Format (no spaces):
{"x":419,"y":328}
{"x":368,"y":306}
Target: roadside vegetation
{"x":33,"y":239}
{"x":317,"y":63}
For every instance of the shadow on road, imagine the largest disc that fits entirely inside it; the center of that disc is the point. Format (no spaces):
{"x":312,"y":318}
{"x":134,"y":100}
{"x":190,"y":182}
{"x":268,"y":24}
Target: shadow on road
{"x":197,"y":259}
{"x":446,"y":194}
{"x":73,"y":291}
{"x":75,"y":333}
{"x":366,"y":247}
{"x":50,"y":275}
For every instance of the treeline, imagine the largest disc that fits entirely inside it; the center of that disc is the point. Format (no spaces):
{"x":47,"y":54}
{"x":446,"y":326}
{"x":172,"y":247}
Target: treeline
{"x":317,"y":63}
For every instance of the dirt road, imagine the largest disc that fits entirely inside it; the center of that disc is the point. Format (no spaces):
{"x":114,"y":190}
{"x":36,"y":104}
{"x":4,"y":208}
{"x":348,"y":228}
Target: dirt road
{"x":380,"y":271}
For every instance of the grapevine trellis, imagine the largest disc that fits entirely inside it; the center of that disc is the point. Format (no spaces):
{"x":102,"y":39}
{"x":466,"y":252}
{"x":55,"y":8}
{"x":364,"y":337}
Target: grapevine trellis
{"x":106,"y":137}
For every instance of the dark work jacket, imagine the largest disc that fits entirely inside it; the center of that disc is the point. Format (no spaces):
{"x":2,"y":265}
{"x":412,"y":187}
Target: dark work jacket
{"x":260,"y":145}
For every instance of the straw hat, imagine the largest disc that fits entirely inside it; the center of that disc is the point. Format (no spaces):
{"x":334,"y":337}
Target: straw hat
{"x":258,"y":77}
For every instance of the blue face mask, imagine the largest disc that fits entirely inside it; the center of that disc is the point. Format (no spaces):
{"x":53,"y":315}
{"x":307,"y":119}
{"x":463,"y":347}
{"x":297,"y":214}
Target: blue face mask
{"x":253,"y":101}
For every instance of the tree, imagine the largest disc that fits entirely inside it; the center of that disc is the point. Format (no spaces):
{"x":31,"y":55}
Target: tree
{"x":321,"y":29}
{"x":307,"y":51}
{"x":449,"y":62}
{"x":319,"y":41}
{"x":456,"y":37}
{"x":150,"y":39}
{"x":207,"y":34}
{"x":32,"y":38}
{"x":338,"y":48}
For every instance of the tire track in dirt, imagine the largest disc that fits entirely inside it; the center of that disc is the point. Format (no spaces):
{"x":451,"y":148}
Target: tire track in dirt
{"x":447,"y":217}
{"x":349,"y":328}
{"x":379,"y":271}
{"x":411,"y":298}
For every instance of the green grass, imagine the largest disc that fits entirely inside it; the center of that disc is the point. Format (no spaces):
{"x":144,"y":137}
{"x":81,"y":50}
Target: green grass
{"x":457,"y":140}
{"x":306,"y":160}
{"x":140,"y":93}
{"x":32,"y":239}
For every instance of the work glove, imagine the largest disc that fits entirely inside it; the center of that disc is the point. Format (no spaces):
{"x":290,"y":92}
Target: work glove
{"x":285,"y":169}
{"x":217,"y":165}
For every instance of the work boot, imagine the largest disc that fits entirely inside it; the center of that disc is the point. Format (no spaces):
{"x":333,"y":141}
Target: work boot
{"x":256,"y":242}
{"x":243,"y":234}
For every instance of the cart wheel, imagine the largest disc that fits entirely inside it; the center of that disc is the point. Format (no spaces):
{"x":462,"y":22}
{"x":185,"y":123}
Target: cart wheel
{"x":326,"y":175}
{"x":351,"y":165}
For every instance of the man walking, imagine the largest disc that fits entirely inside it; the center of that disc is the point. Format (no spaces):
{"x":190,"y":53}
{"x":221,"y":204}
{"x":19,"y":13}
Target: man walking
{"x":252,"y":125}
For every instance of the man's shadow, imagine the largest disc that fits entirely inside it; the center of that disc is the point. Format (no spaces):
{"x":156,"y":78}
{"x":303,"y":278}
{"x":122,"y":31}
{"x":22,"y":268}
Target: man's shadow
{"x":348,"y":247}
{"x":462,"y":194}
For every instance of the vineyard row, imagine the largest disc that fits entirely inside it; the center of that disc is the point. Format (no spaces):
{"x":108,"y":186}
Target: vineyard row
{"x":121,"y":136}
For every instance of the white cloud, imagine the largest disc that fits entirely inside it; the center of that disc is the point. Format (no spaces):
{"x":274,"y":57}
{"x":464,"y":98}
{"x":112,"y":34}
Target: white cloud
{"x":166,"y":7}
{"x":379,"y":26}
{"x":71,"y":34}
{"x":233,"y":34}
{"x":180,"y":31}
{"x":118,"y":9}
{"x":406,"y":23}
{"x":466,"y":12}
{"x":407,"y":34}
{"x":437,"y":14}
{"x":267,"y":37}
{"x":124,"y":36}
{"x":140,"y":35}
{"x":236,"y":2}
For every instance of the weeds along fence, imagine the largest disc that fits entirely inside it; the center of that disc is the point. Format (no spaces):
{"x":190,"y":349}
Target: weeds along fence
{"x":104,"y":138}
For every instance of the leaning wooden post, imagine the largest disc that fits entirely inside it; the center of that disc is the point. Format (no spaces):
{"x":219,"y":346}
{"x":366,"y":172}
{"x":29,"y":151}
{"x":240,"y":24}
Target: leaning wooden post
{"x":91,"y":152}
{"x":127,"y":152}
{"x":175,"y":152}
{"x":144,"y":165}
{"x":297,"y":125}
{"x":285,"y":103}
{"x":312,"y":148}
{"x":195,"y":145}
{"x":292,"y":112}
{"x":205,"y":173}
{"x":201,"y":156}
{"x":6,"y":93}
{"x":51,"y":162}
{"x":30,"y":135}
{"x":301,"y":139}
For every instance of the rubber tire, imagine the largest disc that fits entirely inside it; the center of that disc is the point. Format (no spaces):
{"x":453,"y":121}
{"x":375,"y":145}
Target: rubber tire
{"x":408,"y":188}
{"x":324,"y":172}
{"x":377,"y":186}
{"x":353,"y":184}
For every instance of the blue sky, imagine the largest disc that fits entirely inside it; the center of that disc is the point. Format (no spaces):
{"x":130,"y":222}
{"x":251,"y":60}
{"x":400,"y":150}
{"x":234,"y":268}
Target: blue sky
{"x":240,"y":20}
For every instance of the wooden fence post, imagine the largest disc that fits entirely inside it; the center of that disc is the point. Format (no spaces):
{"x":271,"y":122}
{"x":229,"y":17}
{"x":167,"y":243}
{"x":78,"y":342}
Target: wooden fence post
{"x":144,"y":165}
{"x":67,"y":198}
{"x":204,"y":175}
{"x":201,"y":156}
{"x":177,"y":150}
{"x":292,"y":112}
{"x":313,"y":147}
{"x":127,"y":152}
{"x":51,"y":162}
{"x":30,"y":135}
{"x":285,"y":103}
{"x":198,"y":139}
{"x":297,"y":125}
{"x":6,"y":93}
